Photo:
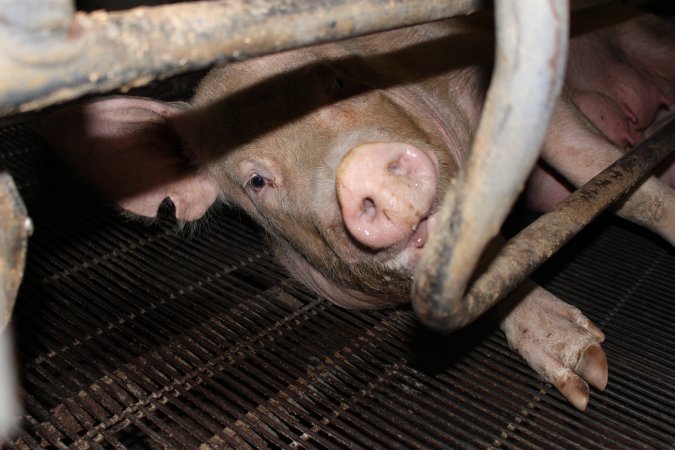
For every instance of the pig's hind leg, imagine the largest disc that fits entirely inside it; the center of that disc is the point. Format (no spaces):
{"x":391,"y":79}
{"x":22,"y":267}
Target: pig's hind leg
{"x":556,"y":340}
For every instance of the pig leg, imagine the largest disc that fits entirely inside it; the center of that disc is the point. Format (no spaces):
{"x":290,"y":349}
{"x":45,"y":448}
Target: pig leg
{"x":666,"y":170}
{"x":556,"y":340}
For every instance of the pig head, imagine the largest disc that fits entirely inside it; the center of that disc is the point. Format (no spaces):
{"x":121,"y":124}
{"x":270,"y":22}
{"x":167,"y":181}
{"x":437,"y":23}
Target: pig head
{"x":304,"y":142}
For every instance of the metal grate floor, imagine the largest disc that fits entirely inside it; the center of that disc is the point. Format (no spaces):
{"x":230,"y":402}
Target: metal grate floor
{"x":140,"y":336}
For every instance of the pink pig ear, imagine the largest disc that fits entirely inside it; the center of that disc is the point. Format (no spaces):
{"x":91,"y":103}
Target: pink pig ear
{"x":128,"y":149}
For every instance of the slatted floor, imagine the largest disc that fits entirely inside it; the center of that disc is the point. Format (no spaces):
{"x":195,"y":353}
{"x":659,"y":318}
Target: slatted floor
{"x":139,"y":336}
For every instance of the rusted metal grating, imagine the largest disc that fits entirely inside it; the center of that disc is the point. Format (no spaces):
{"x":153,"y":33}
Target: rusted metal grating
{"x":139,"y":336}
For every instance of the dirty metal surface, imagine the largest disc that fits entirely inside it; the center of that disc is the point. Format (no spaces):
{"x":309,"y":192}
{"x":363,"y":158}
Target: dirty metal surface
{"x":139,"y":336}
{"x":15,"y":228}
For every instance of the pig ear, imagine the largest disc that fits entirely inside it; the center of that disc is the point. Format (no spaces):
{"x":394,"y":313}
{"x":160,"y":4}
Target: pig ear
{"x":129,"y":150}
{"x":303,"y":271}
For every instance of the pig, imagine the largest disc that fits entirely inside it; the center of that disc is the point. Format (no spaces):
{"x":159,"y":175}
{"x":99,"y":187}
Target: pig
{"x":342,"y":151}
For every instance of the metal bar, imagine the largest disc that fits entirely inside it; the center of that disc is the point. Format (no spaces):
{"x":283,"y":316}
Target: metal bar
{"x":100,"y":51}
{"x":15,"y":228}
{"x":9,"y":404}
{"x":36,"y":16}
{"x":524,"y":253}
{"x":51,"y":54}
{"x":529,"y":70}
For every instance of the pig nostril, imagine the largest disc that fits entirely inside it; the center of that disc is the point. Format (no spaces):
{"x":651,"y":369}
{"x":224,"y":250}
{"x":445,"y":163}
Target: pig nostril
{"x":368,"y":207}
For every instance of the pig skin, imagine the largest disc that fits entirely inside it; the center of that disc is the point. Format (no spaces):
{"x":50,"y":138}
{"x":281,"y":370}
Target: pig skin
{"x":272,"y":135}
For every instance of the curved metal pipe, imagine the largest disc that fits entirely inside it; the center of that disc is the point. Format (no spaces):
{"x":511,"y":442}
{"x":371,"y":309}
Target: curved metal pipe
{"x":529,"y":70}
{"x":530,"y":248}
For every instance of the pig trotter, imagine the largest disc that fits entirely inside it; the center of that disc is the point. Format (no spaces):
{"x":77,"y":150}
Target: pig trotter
{"x":592,"y":366}
{"x":557,"y":341}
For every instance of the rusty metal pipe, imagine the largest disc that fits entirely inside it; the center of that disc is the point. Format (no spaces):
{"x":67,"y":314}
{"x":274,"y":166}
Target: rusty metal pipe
{"x":15,"y":228}
{"x":525,"y":252}
{"x":531,"y":54}
{"x":100,"y":51}
{"x":9,"y":403}
{"x":50,"y":55}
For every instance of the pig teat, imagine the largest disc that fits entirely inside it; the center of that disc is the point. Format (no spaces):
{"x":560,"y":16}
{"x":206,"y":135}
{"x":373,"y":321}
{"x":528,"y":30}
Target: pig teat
{"x":386,"y":193}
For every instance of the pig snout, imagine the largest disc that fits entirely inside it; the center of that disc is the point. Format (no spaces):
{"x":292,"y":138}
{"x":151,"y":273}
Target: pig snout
{"x":386,"y":192}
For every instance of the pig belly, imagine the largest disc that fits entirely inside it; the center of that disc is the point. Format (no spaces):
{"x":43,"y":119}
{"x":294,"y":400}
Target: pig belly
{"x":623,"y":81}
{"x":622,"y":78}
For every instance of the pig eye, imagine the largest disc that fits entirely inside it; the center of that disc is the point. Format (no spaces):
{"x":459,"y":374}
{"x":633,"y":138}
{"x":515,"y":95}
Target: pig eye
{"x":257,"y":182}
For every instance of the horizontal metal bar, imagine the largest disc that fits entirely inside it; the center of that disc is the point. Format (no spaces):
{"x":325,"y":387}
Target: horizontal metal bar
{"x":525,"y":252}
{"x":55,"y":56}
{"x":101,"y":50}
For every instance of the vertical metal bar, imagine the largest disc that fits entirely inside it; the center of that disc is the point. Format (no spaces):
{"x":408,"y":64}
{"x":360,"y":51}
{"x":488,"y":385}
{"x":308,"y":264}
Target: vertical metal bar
{"x":531,"y":54}
{"x":15,"y":227}
{"x":9,"y":405}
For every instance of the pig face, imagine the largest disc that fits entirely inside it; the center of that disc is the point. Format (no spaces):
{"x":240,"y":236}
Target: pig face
{"x":338,"y":151}
{"x":348,"y":188}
